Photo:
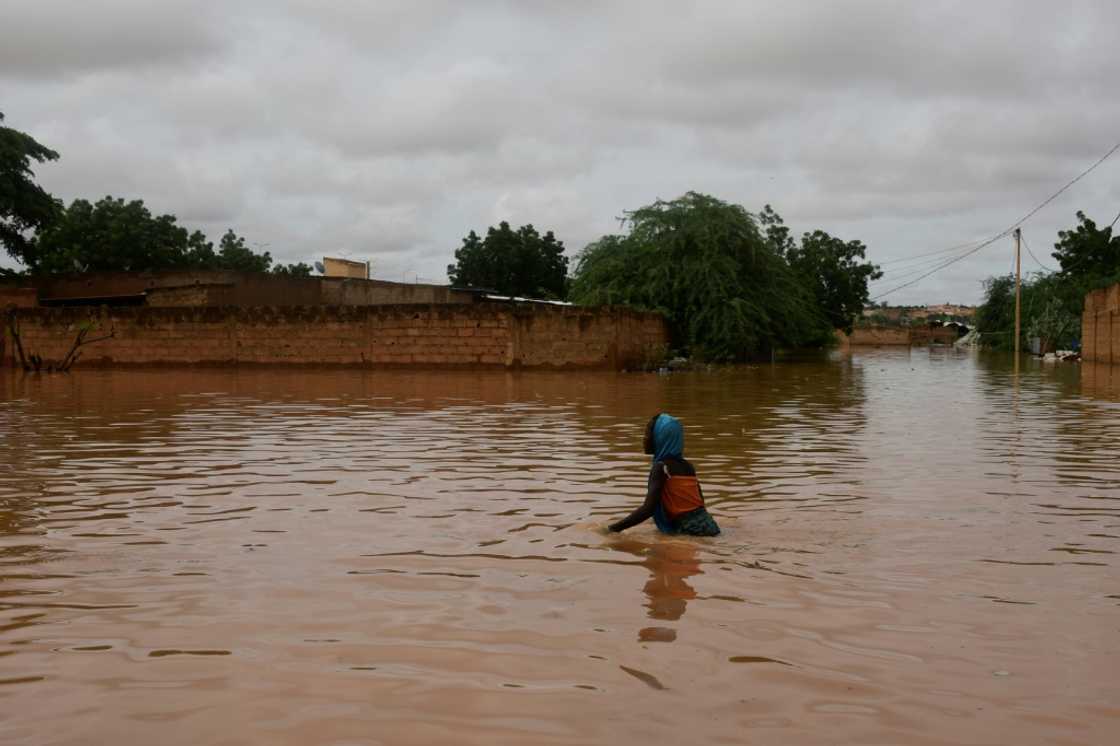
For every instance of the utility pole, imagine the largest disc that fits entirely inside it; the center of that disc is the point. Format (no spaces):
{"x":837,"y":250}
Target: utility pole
{"x":1018,"y":233}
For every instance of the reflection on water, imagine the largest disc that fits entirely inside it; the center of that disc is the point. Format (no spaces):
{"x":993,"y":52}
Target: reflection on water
{"x":918,"y":547}
{"x":670,"y":563}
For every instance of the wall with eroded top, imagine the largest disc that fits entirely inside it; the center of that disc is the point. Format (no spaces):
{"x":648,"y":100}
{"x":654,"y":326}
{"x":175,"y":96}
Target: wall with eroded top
{"x":486,"y":335}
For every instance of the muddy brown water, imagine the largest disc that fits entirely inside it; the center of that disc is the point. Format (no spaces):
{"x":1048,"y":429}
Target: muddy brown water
{"x":918,"y":548}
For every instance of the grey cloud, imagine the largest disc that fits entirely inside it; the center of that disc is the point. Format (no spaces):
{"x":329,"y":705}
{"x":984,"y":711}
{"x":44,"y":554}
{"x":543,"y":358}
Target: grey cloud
{"x":388,"y":130}
{"x":48,"y":38}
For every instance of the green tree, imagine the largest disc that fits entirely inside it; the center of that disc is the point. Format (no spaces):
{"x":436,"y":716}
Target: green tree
{"x":1087,"y":254}
{"x":24,"y":205}
{"x":517,"y":263}
{"x":775,"y":230}
{"x":1050,"y":308}
{"x":995,"y":318}
{"x":834,"y":271}
{"x":113,"y":235}
{"x":1052,"y":302}
{"x":724,"y":286}
{"x":234,"y":255}
{"x":292,"y":270}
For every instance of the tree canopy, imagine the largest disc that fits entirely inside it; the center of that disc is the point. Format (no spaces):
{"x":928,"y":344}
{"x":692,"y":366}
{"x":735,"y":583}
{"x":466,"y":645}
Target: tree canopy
{"x":299,"y":269}
{"x":1052,"y":302}
{"x":115,"y":235}
{"x":516,"y":263}
{"x":108,"y":235}
{"x":728,"y":288}
{"x":834,"y":271}
{"x":1088,"y":253}
{"x":24,"y":205}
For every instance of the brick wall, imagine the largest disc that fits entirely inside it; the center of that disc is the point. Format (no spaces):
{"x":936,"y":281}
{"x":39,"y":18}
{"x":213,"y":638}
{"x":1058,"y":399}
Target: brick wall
{"x":893,"y":336}
{"x":345,"y":268}
{"x":927,"y":335}
{"x":339,"y":292}
{"x":487,"y":335}
{"x":170,"y":288}
{"x":1100,"y":326}
{"x":874,"y":336}
{"x":584,"y":337}
{"x":20,"y":297}
{"x":190,"y":296}
{"x":1100,"y":380}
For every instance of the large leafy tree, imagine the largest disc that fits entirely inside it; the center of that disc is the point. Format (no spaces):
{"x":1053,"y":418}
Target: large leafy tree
{"x":24,"y":205}
{"x":519,"y":263}
{"x":114,"y":235}
{"x":995,"y":318}
{"x":836,"y":274}
{"x":299,"y":269}
{"x":1050,"y":310}
{"x":233,"y":254}
{"x":1052,"y":302}
{"x":776,"y":232}
{"x":1088,"y":254}
{"x":725,"y":286}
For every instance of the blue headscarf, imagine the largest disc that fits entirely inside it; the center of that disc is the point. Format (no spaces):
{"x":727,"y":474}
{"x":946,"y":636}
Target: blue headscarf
{"x":668,"y":438}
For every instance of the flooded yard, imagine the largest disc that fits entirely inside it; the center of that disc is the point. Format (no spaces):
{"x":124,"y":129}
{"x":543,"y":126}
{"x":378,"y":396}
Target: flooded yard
{"x":919,"y":547}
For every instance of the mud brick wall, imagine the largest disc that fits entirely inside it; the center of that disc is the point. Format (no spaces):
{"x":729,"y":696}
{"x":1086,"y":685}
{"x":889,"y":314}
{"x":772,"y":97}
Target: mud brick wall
{"x":20,"y":297}
{"x":874,"y":336}
{"x":1100,"y":326}
{"x":893,"y":336}
{"x":220,"y":288}
{"x":612,"y":338}
{"x":925,"y":335}
{"x":190,"y":295}
{"x":477,"y":335}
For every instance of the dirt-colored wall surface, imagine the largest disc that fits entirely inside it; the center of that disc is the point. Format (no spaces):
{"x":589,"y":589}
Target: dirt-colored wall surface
{"x":582,"y":337}
{"x":246,"y":289}
{"x":345,"y":268}
{"x":20,"y":297}
{"x":925,"y":335}
{"x":872,"y":336}
{"x":487,"y":335}
{"x":893,"y":336}
{"x":1100,"y":326}
{"x":190,"y":296}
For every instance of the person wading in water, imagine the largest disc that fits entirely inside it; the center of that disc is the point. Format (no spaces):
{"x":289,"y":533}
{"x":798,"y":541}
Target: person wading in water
{"x":674,"y":499}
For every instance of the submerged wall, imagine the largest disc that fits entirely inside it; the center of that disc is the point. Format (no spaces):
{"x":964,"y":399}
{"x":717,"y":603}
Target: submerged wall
{"x":1100,"y":326}
{"x":897,"y":336}
{"x":878,"y":336}
{"x":487,"y":335}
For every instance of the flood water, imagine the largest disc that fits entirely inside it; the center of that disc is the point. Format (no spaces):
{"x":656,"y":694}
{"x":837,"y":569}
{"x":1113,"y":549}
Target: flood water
{"x":918,"y":548}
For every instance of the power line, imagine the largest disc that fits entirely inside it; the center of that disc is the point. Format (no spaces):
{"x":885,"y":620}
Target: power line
{"x":1048,"y":269}
{"x":1006,"y":232}
{"x":927,"y":254}
{"x":896,"y":272}
{"x":1114,"y":220}
{"x":942,"y":266}
{"x":1055,"y":195}
{"x":908,"y":272}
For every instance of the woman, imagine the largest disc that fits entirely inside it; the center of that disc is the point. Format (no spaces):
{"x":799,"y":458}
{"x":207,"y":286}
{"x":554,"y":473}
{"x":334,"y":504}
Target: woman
{"x":674,"y":499}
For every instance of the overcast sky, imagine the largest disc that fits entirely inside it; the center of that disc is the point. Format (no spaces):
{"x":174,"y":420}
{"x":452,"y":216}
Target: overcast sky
{"x":387,"y":130}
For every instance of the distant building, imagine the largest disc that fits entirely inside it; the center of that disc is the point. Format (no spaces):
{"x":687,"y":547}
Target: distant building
{"x":908,"y":314}
{"x":345,"y":268}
